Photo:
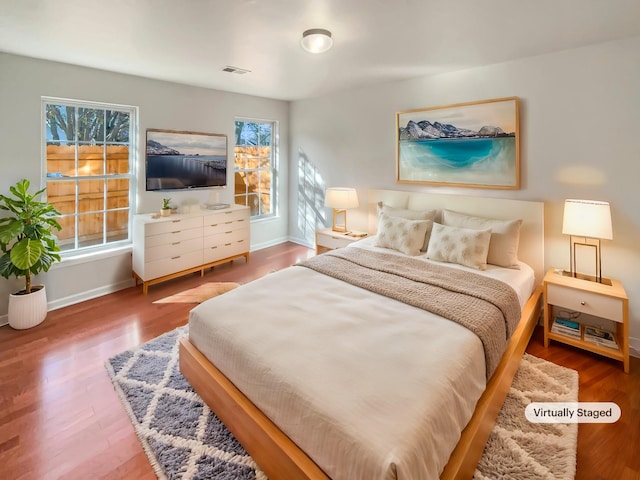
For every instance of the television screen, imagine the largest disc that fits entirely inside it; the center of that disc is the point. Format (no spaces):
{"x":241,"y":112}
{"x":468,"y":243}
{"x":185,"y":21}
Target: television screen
{"x":179,"y":160}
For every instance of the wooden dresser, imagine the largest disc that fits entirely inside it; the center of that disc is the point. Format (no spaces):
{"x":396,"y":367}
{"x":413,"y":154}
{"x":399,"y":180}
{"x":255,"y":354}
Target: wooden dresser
{"x":169,"y":247}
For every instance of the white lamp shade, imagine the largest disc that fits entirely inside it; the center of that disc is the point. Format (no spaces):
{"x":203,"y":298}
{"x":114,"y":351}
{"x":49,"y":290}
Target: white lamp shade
{"x":587,"y":218}
{"x":341,"y":198}
{"x":316,"y":40}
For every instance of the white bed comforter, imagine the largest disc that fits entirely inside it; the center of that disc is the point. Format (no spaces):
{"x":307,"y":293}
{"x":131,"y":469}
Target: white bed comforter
{"x":370,"y":388}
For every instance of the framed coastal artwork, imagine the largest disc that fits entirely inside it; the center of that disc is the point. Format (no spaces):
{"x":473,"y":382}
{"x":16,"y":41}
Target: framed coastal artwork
{"x":474,"y":144}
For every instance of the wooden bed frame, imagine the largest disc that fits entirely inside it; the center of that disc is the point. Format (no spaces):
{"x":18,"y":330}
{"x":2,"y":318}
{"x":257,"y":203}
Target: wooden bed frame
{"x":281,"y":459}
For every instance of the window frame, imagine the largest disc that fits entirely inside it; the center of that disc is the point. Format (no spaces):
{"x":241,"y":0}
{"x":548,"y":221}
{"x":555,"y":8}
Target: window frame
{"x":275,"y":158}
{"x":90,"y":250}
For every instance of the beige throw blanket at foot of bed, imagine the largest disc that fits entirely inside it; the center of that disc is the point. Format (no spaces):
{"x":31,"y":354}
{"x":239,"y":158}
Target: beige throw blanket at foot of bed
{"x":487,"y":307}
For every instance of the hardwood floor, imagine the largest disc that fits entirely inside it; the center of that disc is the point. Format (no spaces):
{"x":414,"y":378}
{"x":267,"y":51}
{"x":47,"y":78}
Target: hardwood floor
{"x":60,"y":417}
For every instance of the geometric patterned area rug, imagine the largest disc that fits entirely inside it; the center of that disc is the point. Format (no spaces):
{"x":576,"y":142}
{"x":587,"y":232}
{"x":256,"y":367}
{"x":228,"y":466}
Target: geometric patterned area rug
{"x":200,"y":293}
{"x":181,"y":436}
{"x":185,"y":440}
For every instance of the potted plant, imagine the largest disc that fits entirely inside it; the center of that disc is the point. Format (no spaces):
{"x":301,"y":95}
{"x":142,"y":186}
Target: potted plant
{"x":166,"y":207}
{"x":28,"y":247}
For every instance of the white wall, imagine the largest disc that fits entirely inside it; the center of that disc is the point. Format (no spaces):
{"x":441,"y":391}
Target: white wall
{"x":23,"y":81}
{"x":579,"y":118}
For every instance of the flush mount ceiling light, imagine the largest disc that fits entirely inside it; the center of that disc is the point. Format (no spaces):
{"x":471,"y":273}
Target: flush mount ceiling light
{"x":316,"y":40}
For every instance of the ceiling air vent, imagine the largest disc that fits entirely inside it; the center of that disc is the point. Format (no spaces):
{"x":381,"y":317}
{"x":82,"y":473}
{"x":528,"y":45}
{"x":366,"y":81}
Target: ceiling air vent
{"x":239,"y":71}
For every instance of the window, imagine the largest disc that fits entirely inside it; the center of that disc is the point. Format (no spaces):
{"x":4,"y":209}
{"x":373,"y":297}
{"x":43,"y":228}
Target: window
{"x":255,"y":166}
{"x":88,"y":163}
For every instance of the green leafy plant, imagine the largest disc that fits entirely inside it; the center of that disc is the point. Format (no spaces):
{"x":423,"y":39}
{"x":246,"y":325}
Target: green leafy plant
{"x":166,"y":204}
{"x":26,"y":239}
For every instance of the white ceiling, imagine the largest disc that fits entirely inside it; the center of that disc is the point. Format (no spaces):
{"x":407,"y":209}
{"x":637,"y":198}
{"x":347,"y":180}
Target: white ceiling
{"x":190,"y":41}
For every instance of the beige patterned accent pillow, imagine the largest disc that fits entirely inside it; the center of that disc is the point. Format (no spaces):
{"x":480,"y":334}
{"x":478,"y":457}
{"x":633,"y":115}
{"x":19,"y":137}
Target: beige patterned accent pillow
{"x":505,"y":236}
{"x":463,"y":246}
{"x":410,"y":215}
{"x":397,"y":233}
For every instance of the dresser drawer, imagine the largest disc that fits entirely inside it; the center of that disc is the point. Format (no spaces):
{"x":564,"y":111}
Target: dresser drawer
{"x":226,"y":237}
{"x":173,"y":237}
{"x":172,"y":249}
{"x":173,"y":225}
{"x":224,"y":224}
{"x":586,"y":302}
{"x":169,"y":266}
{"x":228,"y":249}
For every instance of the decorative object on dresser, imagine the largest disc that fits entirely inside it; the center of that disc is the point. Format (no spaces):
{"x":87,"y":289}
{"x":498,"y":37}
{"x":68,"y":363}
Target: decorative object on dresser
{"x":327,"y":239}
{"x":590,"y":220}
{"x":340,"y":199}
{"x":28,"y":247}
{"x":165,"y":248}
{"x":600,"y":311}
{"x":479,"y":148}
{"x":165,"y":211}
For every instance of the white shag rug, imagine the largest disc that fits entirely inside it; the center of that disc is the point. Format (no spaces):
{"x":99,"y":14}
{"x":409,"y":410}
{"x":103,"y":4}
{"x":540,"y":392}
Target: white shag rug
{"x":522,"y":450}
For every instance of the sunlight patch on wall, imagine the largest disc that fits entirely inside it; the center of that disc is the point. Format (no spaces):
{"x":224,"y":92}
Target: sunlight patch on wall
{"x":311,"y":187}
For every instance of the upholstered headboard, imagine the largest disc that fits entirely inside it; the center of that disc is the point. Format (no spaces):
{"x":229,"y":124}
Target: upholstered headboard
{"x":531,"y":247}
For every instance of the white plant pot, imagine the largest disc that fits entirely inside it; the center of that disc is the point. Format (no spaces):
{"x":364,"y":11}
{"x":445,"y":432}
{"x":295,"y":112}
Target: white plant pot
{"x":26,"y":311}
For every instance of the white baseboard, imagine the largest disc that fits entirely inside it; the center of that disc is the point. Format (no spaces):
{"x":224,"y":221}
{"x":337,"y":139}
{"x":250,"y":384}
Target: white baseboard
{"x":270,"y":243}
{"x":89,"y":294}
{"x":80,"y":297}
{"x":301,"y":241}
{"x":634,"y":347}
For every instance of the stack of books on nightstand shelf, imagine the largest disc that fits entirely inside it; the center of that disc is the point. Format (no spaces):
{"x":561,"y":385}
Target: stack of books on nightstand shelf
{"x":600,"y":337}
{"x":567,"y":327}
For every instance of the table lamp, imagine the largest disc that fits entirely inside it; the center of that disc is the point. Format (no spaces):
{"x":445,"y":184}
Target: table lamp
{"x":340,"y":199}
{"x":590,"y":221}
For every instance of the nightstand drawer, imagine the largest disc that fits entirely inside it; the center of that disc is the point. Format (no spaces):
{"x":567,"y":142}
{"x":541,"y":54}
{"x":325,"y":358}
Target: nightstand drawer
{"x":329,"y":241}
{"x":586,"y":302}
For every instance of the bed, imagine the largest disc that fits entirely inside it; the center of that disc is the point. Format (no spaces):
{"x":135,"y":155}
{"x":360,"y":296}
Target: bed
{"x":294,"y":363}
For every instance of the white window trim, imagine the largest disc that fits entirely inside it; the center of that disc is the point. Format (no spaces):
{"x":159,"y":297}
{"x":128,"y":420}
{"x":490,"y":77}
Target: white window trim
{"x":275,"y":183}
{"x":84,"y":253}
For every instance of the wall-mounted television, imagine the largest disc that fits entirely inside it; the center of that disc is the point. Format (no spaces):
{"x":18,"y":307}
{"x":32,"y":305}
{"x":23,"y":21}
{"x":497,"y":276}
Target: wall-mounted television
{"x":182,"y":160}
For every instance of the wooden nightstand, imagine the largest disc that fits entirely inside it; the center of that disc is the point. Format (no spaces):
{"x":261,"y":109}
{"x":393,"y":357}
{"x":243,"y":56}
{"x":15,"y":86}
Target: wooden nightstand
{"x":327,"y":239}
{"x":587,"y":303}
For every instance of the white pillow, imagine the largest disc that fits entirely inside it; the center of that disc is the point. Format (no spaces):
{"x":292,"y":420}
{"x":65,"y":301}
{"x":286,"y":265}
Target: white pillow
{"x":409,"y":215}
{"x":405,"y":213}
{"x":505,"y":236}
{"x":397,"y":233}
{"x":463,"y":246}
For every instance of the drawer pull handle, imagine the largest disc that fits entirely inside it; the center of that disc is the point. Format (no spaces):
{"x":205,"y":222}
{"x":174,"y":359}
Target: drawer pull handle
{"x":241,"y":220}
{"x":240,"y":241}
{"x":177,"y":231}
{"x":213,"y":248}
{"x":176,"y":221}
{"x":175,"y":243}
{"x":230,"y":231}
{"x":214,"y":224}
{"x":227,"y":244}
{"x":227,"y":223}
{"x":175,"y":258}
{"x":583,"y":303}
